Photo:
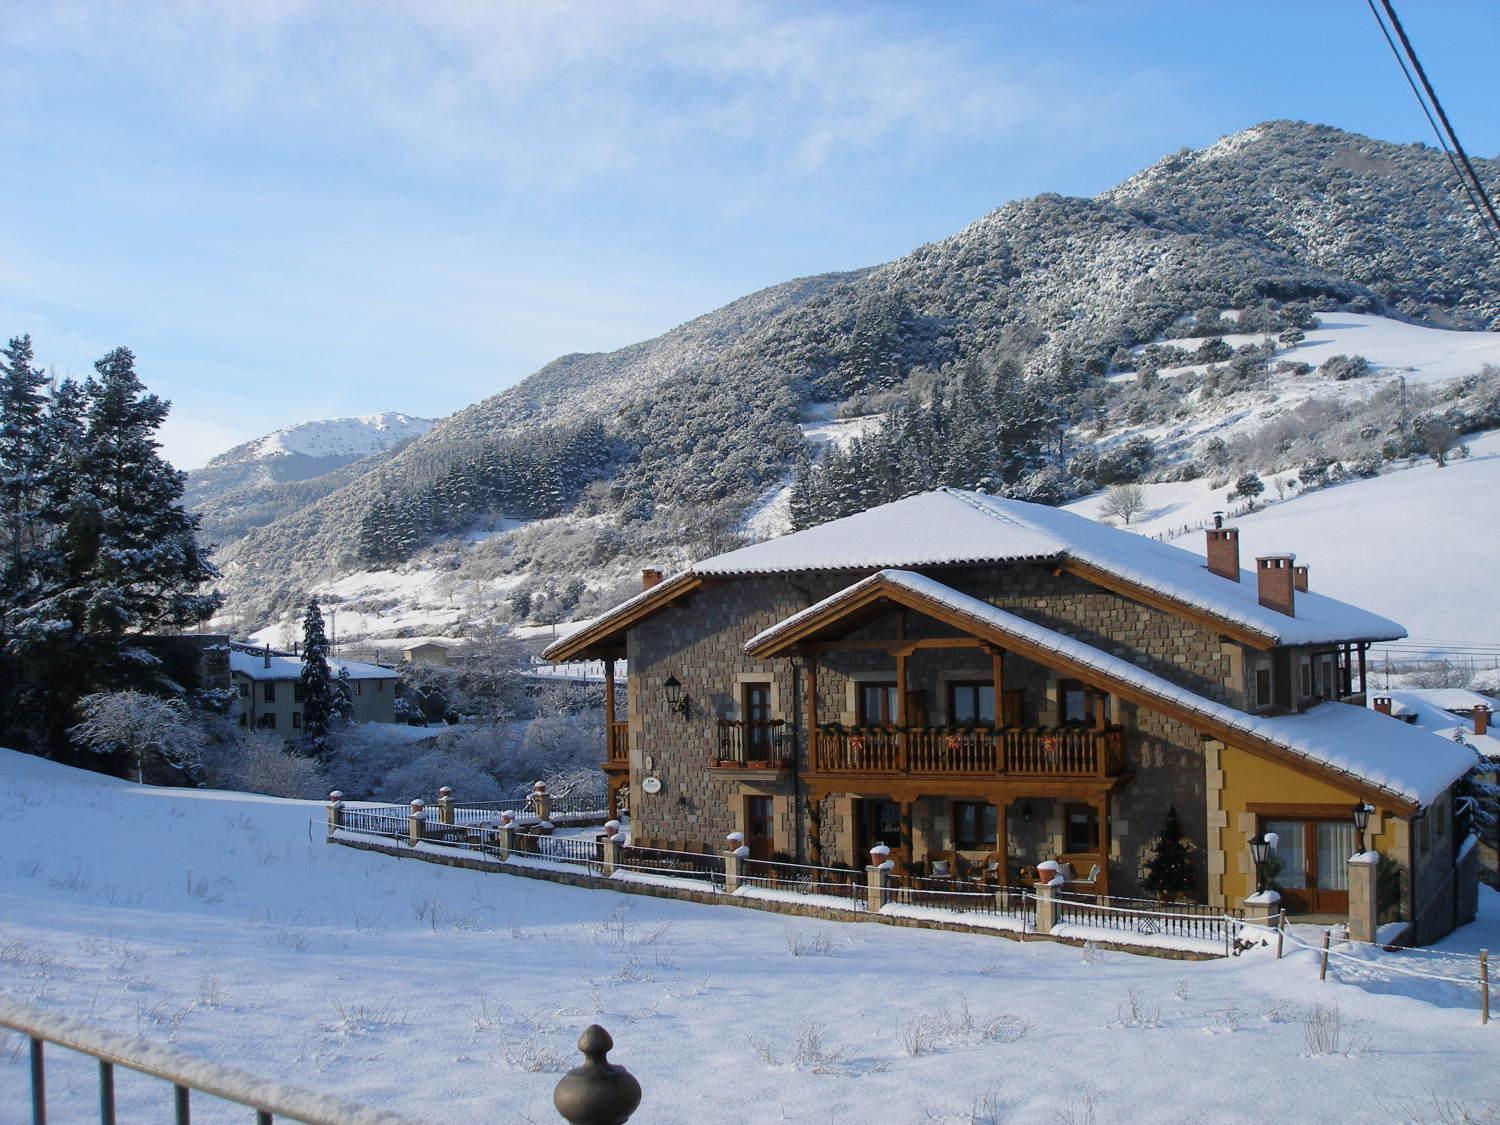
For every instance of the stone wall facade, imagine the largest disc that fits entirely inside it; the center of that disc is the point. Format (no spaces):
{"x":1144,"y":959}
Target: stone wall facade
{"x":700,"y":639}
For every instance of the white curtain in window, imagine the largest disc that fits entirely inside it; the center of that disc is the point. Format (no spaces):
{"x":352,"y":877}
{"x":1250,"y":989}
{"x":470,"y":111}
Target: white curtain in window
{"x":1335,"y":846}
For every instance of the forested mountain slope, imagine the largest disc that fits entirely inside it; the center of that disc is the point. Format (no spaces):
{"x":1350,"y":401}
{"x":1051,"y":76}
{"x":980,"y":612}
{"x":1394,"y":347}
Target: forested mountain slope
{"x":1015,"y":324}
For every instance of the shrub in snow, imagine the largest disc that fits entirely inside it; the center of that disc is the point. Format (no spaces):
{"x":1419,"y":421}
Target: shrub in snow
{"x":267,"y":765}
{"x":1343,"y":367}
{"x":434,"y":769}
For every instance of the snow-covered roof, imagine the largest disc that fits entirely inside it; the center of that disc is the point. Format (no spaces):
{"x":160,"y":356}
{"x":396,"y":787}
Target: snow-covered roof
{"x":253,"y":666}
{"x":1388,"y":755}
{"x":952,"y":527}
{"x":1426,"y":709}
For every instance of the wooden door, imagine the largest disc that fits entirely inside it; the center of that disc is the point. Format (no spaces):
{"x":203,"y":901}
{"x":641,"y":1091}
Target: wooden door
{"x":760,"y":832}
{"x":757,"y":715}
{"x":1311,"y":864}
{"x":877,"y":704}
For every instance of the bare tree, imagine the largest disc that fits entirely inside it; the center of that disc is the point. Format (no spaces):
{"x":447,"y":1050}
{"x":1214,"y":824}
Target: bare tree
{"x":1125,"y":501}
{"x":1438,"y":438}
{"x":141,"y":725}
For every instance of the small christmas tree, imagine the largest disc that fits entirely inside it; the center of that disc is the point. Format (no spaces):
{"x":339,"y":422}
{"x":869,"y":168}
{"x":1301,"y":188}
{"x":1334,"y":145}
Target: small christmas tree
{"x":1169,"y":869}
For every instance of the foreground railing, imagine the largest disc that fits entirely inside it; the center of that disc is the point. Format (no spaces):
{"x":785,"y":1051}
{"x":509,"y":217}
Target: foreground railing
{"x":845,"y":885}
{"x":975,"y":751}
{"x":1148,"y":917}
{"x":186,"y":1073}
{"x":964,"y":896}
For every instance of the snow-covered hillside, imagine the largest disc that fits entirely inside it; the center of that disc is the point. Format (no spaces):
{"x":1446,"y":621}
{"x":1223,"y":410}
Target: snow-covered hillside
{"x":1416,"y":543}
{"x":336,"y":437}
{"x":222,"y":923}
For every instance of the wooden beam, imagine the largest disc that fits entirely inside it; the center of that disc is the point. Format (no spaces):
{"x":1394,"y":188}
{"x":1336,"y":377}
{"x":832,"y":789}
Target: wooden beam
{"x":810,"y":687}
{"x":1101,"y":814}
{"x":1002,"y":845}
{"x":893,"y":645}
{"x":603,"y":636}
{"x":905,"y":836}
{"x":901,"y":755}
{"x":997,"y":675}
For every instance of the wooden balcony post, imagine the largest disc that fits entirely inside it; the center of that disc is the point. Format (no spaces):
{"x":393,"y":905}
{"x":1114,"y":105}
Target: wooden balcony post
{"x":609,"y":709}
{"x":1101,"y":814}
{"x":901,"y":748}
{"x":815,"y":828}
{"x":1002,"y":845}
{"x":906,"y":837}
{"x":810,"y":666}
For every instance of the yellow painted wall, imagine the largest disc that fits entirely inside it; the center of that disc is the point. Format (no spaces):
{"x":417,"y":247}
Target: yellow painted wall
{"x":1250,"y":780}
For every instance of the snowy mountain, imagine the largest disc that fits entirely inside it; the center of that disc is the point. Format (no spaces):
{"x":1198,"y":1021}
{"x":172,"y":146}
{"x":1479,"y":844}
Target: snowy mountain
{"x":659,"y":451}
{"x":244,"y":487}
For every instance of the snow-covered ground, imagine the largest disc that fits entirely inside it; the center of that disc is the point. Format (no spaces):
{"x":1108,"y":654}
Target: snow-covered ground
{"x":224,"y":923}
{"x":1417,"y":544}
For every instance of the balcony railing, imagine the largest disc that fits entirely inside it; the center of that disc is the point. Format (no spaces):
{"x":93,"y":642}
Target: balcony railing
{"x":747,"y":743}
{"x":617,"y":744}
{"x":976,"y":752}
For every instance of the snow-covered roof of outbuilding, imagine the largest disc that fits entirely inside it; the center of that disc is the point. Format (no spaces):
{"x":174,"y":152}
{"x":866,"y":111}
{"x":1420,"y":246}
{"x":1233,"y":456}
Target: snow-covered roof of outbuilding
{"x":1390,"y":756}
{"x":951,"y":527}
{"x":1415,"y":708}
{"x":253,"y":665}
{"x":1457,"y":700}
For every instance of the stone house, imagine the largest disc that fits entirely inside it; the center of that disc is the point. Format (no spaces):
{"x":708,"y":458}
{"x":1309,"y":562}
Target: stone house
{"x":986,"y":684}
{"x":268,"y":690}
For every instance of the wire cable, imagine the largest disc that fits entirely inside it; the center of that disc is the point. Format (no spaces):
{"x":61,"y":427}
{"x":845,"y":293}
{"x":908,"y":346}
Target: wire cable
{"x":1463,"y":180}
{"x":1463,"y":157}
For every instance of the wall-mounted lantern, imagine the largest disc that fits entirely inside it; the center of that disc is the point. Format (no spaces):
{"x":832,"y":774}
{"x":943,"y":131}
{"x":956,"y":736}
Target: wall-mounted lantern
{"x":1361,"y":815}
{"x":677,"y":702}
{"x":1260,"y":848}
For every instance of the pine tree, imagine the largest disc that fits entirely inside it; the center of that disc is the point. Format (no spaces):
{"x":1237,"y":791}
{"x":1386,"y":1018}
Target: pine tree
{"x":343,"y":699}
{"x":317,"y":685}
{"x":1169,"y":868}
{"x":22,"y":457}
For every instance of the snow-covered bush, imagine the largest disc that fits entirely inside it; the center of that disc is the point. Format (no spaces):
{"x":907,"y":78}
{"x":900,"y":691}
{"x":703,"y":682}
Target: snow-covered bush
{"x":424,"y":776}
{"x":267,"y":765}
{"x":148,"y":728}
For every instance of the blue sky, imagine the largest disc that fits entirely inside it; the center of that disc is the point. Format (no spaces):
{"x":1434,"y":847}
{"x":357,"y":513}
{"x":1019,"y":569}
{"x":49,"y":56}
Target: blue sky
{"x":295,"y":210}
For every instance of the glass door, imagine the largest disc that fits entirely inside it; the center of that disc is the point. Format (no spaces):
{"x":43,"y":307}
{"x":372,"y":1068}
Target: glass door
{"x":1310,"y":864}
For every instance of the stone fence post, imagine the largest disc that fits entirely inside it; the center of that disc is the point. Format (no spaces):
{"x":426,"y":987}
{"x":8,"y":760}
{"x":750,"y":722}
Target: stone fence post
{"x":502,"y":841}
{"x":1364,"y":908}
{"x":1264,"y":909}
{"x":335,"y":811}
{"x":445,"y":805}
{"x":878,"y":878}
{"x":609,"y":849}
{"x":1046,"y":908}
{"x":734,"y":859}
{"x":416,"y":822}
{"x":541,"y":801}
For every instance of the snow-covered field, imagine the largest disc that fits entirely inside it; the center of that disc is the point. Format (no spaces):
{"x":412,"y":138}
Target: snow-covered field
{"x":224,"y":923}
{"x":1417,"y":544}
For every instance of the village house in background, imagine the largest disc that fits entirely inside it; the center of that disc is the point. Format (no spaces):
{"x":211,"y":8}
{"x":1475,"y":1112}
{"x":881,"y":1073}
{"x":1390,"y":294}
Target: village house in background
{"x":268,"y":689}
{"x":985,"y":685}
{"x":427,"y":652}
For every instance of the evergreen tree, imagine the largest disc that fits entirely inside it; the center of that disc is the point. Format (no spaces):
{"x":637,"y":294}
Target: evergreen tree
{"x":317,"y":685}
{"x":1169,"y":869}
{"x":343,"y":699}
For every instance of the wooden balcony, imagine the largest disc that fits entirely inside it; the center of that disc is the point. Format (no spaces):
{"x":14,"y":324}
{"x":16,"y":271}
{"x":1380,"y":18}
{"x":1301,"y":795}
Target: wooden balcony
{"x":617,"y":747}
{"x":979,"y":753}
{"x":744,"y":745}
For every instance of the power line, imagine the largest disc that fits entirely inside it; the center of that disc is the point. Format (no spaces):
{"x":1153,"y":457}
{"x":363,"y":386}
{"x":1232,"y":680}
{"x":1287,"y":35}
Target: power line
{"x":1472,"y":177}
{"x":1442,"y":141}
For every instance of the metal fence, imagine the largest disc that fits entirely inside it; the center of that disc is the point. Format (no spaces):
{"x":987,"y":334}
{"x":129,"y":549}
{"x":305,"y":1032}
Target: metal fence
{"x":847,"y":885}
{"x":964,"y":897}
{"x":696,"y":866}
{"x":1149,"y":918}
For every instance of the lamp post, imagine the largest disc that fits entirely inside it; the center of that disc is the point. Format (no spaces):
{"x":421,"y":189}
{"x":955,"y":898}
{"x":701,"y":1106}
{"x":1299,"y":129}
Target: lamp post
{"x":1260,"y":847}
{"x":1361,"y":815}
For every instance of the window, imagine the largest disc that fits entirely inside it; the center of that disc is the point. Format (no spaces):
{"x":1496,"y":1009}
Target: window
{"x":299,"y":692}
{"x":1079,"y":704}
{"x":1080,"y":829}
{"x":359,"y":687}
{"x":1263,"y":687}
{"x":267,"y":721}
{"x":1310,"y":864}
{"x":877,"y":704}
{"x":760,"y":833}
{"x":1440,"y":819}
{"x":755,"y":711}
{"x":971,"y":703}
{"x":379,"y":685}
{"x":244,"y":690}
{"x":296,"y":720}
{"x":1307,"y":681}
{"x":974,"y":825}
{"x":269,"y":692}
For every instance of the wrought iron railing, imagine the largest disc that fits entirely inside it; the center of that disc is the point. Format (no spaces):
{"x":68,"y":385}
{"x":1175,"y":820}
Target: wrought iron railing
{"x":963,"y":896}
{"x":187,"y":1074}
{"x":1149,"y":917}
{"x":746,"y":742}
{"x":848,"y":885}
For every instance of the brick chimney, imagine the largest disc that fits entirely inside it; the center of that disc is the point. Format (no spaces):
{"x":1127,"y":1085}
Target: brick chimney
{"x":1224,"y":552}
{"x":650,"y":577}
{"x":1299,"y":578}
{"x":1274,"y":583}
{"x":1383,"y":704}
{"x":1481,"y":719}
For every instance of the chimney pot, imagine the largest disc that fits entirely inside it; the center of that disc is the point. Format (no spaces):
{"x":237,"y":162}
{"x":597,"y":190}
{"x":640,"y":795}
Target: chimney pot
{"x":1224,"y":552}
{"x":1383,"y":704}
{"x":1481,"y":719}
{"x":1299,"y":578}
{"x":1274,"y":583}
{"x":650,"y":577}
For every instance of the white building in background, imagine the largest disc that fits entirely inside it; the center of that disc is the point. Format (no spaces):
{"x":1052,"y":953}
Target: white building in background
{"x":268,"y":690}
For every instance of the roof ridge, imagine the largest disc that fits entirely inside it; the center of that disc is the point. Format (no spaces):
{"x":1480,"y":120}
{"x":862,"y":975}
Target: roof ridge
{"x":966,"y":496}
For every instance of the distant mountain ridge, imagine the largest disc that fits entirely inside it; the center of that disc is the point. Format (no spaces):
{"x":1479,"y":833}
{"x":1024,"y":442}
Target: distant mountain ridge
{"x":709,"y":414}
{"x":250,"y":484}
